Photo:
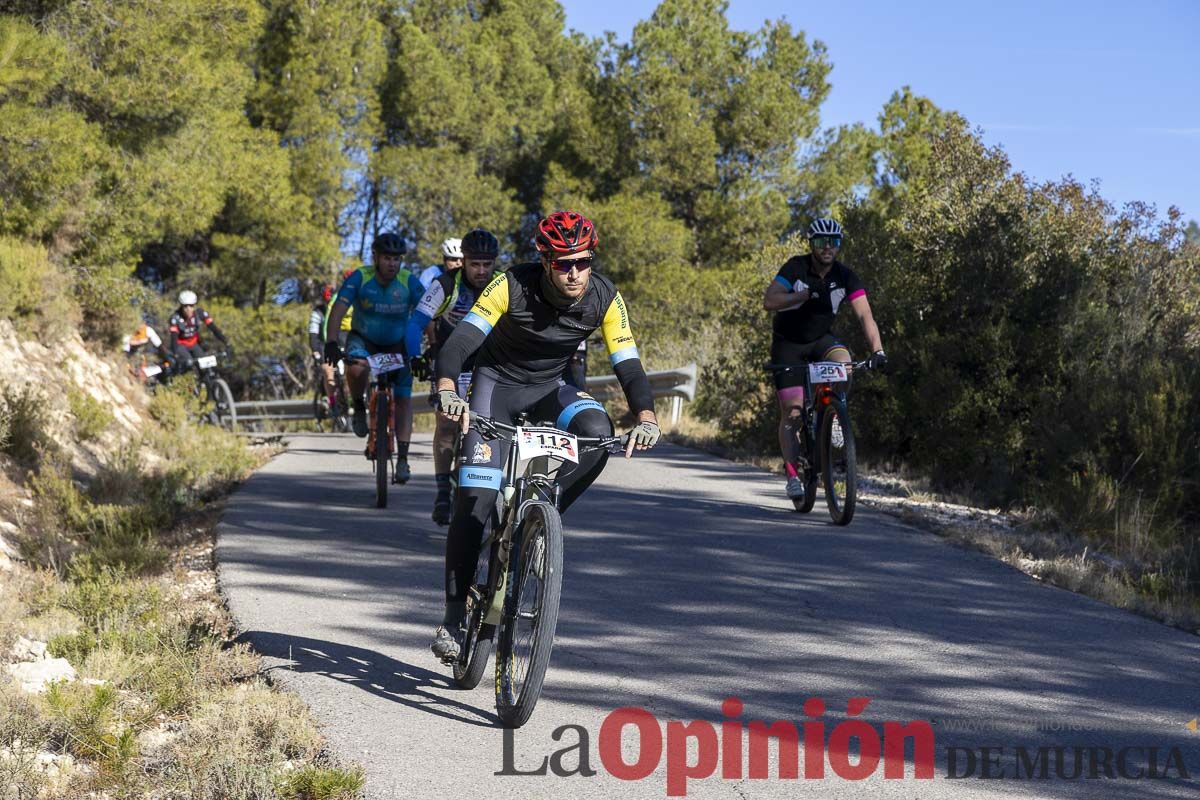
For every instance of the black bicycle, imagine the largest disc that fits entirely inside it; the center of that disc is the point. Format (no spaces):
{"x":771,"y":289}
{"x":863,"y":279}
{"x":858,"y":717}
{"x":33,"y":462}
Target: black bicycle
{"x":334,"y":406}
{"x":514,"y":598}
{"x":825,"y":436}
{"x":216,"y":390}
{"x":381,"y":422}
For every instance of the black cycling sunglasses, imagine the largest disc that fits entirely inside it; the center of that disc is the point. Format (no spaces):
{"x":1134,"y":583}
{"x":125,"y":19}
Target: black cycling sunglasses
{"x":567,"y":264}
{"x":821,"y":242}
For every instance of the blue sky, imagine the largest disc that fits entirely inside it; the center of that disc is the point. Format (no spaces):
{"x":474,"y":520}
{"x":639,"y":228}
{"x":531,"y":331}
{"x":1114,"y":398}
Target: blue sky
{"x":1101,"y":90}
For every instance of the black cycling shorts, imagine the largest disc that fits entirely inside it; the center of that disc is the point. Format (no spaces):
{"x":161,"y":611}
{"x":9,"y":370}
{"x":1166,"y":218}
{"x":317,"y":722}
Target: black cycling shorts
{"x":785,"y":352}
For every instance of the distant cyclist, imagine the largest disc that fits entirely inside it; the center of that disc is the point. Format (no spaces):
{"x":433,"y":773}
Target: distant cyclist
{"x":316,"y":328}
{"x":136,"y":343}
{"x":805,"y":296}
{"x":185,"y":327}
{"x":452,"y":259}
{"x":382,"y":296}
{"x":445,"y":303}
{"x":526,"y":326}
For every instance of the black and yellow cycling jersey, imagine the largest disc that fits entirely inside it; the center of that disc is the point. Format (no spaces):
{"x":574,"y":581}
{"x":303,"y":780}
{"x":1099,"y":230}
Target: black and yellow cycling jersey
{"x":527,"y":339}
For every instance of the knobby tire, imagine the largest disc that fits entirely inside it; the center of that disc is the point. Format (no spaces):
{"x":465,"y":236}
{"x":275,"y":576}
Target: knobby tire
{"x":519,"y":683}
{"x":838,"y":464}
{"x":477,"y":649}
{"x":383,"y":444}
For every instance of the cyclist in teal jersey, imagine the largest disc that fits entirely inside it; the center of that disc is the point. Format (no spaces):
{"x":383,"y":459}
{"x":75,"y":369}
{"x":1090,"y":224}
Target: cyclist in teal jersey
{"x":382,"y":296}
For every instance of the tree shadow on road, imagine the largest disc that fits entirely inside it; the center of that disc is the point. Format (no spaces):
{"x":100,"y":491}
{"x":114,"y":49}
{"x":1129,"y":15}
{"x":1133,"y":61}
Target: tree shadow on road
{"x":367,"y":670}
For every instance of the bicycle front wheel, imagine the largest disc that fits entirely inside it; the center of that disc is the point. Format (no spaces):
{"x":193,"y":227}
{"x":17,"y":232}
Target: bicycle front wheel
{"x":526,"y":633}
{"x":838,"y":462}
{"x":223,"y":400}
{"x":383,"y":444}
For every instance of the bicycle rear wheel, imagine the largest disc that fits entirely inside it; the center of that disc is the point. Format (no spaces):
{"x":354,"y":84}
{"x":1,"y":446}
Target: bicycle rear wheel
{"x":838,"y":462}
{"x":341,"y":412}
{"x":477,"y":648}
{"x":526,"y":633}
{"x":383,"y":445}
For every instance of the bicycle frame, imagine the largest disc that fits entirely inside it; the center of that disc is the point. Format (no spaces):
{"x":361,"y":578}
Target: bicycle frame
{"x":381,"y":383}
{"x":818,"y":397}
{"x":537,"y":484}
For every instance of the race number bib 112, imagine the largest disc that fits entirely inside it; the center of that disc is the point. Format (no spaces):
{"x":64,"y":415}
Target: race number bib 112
{"x":827,"y":372}
{"x":533,"y":442}
{"x":385,"y":362}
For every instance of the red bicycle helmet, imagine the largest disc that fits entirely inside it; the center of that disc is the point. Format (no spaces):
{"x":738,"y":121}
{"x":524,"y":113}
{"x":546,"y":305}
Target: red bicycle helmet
{"x":564,"y":233}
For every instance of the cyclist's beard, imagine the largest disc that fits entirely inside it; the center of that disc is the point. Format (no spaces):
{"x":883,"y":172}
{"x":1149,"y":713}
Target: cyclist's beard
{"x":555,"y":297}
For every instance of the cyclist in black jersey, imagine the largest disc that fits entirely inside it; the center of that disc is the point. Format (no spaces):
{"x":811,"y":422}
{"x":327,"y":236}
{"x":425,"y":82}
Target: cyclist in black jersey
{"x":806,"y":295}
{"x":446,"y":302}
{"x":185,"y":326}
{"x":526,"y":326}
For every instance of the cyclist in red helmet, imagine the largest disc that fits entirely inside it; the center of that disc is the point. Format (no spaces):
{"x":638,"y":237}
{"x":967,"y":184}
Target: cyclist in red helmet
{"x":526,"y":326}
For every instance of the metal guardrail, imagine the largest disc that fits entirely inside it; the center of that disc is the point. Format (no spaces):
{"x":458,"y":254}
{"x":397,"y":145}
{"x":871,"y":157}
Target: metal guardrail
{"x":259,"y":410}
{"x":677,"y":384}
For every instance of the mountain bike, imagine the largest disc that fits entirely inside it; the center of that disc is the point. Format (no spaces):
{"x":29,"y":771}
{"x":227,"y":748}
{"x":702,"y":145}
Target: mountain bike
{"x":513,"y":601}
{"x":216,"y":391}
{"x":381,"y":422}
{"x":825,"y":436}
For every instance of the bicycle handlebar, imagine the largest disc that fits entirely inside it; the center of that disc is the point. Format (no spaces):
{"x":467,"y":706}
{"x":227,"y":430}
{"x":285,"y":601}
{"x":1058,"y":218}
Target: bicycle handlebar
{"x":493,"y":426}
{"x":787,"y":367}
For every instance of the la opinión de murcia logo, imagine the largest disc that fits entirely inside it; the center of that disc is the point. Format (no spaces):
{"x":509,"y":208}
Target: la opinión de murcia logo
{"x":851,"y":750}
{"x":724,"y":749}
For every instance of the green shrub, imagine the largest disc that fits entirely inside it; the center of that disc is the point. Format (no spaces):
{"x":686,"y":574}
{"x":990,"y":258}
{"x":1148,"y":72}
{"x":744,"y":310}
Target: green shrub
{"x":33,"y":292}
{"x":108,"y":534}
{"x":90,"y":723}
{"x":21,"y":720}
{"x":312,"y":782}
{"x":25,"y":425}
{"x":109,"y":299}
{"x":90,"y":416}
{"x":264,"y":336}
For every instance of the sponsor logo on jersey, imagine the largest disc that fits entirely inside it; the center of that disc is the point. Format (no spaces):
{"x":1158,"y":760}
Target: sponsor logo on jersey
{"x":482,"y":454}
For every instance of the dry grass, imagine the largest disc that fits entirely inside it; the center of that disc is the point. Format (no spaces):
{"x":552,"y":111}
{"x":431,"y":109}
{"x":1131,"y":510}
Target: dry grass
{"x":119,"y":582}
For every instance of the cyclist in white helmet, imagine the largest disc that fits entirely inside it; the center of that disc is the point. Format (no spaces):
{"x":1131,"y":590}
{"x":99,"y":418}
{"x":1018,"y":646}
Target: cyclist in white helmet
{"x":452,"y":259}
{"x":806,"y":296}
{"x":185,"y":327}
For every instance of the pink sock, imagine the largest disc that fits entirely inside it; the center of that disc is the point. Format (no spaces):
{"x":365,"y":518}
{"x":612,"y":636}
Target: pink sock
{"x":791,"y":470}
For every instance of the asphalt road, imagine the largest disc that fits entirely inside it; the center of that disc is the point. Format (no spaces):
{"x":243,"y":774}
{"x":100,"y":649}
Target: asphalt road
{"x":689,"y":580}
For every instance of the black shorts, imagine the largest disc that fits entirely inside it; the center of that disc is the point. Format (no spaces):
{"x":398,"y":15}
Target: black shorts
{"x":785,"y":352}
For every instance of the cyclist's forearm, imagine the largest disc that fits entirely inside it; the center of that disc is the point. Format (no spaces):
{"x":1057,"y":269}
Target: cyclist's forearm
{"x":465,"y":340}
{"x":314,"y":342}
{"x":635,"y":384}
{"x":415,"y":332}
{"x":871,"y":331}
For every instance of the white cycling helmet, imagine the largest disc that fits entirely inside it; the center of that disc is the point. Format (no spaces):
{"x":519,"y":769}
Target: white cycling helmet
{"x":452,"y":248}
{"x":824,"y":227}
{"x":187,"y":298}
